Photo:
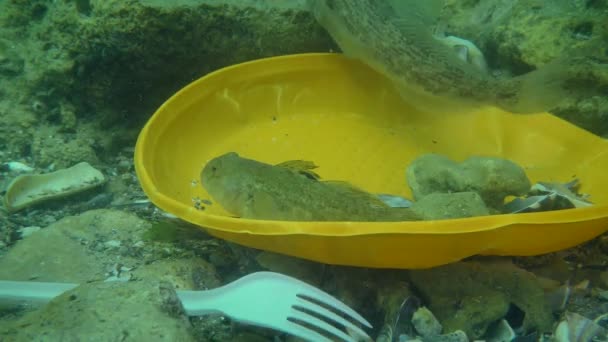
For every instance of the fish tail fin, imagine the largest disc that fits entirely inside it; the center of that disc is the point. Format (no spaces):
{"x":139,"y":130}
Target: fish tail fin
{"x":544,"y":88}
{"x":536,"y":91}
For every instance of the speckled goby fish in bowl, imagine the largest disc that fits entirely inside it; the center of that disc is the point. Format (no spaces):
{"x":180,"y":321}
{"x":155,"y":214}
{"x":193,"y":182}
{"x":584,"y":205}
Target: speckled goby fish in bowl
{"x":395,"y":37}
{"x":290,"y":191}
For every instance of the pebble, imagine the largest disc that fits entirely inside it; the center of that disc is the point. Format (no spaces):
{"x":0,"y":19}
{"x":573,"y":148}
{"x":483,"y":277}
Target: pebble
{"x":425,"y":323}
{"x":112,"y":243}
{"x":27,"y":231}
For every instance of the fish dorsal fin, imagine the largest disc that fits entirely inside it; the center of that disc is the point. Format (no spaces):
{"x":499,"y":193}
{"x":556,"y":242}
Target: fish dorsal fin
{"x":303,"y":167}
{"x":355,"y":192}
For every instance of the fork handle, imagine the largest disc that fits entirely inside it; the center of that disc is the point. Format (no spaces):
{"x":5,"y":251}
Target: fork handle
{"x":15,"y":292}
{"x":37,"y":293}
{"x":199,"y":303}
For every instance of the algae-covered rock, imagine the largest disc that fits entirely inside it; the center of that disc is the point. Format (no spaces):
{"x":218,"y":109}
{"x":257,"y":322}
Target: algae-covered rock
{"x":438,"y":206}
{"x":99,"y":245}
{"x":110,"y":311}
{"x":308,"y":271}
{"x":11,"y":63}
{"x":472,"y":295}
{"x":106,"y":245}
{"x":68,"y":65}
{"x":590,"y":113}
{"x":490,"y":177}
{"x":74,"y":249}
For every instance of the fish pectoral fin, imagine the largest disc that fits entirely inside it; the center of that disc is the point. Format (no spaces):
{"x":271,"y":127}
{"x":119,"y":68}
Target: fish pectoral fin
{"x":261,"y":205}
{"x":303,"y":167}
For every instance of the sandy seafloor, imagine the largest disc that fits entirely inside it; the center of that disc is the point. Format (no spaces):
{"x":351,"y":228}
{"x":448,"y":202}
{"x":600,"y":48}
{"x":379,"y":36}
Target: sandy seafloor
{"x":79,"y":78}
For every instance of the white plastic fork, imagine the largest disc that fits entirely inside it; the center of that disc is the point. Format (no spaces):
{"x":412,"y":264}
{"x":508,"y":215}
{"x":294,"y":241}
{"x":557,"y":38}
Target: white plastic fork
{"x":266,"y":299}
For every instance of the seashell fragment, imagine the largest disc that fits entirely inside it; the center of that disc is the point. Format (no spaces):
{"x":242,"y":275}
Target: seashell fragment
{"x":577,"y":328}
{"x":26,"y":190}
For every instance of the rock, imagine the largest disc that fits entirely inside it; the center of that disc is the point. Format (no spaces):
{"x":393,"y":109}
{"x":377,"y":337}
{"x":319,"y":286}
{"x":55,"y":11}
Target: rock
{"x":590,"y":113}
{"x":456,"y":336}
{"x":106,"y":245}
{"x":138,"y":311}
{"x":11,"y":64}
{"x":187,"y":273}
{"x":437,"y":206}
{"x":473,"y":295}
{"x":501,"y":332}
{"x":308,"y":271}
{"x":51,"y":149}
{"x":62,"y":252}
{"x":29,"y":230}
{"x":397,"y":303}
{"x":492,"y":178}
{"x":98,"y":245}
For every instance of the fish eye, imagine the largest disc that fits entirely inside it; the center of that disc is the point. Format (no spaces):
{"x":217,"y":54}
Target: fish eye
{"x":214,"y":168}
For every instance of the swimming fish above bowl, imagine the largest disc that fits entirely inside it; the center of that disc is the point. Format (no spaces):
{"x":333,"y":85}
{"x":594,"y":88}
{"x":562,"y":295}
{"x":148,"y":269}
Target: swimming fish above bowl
{"x":395,"y":37}
{"x":290,"y":191}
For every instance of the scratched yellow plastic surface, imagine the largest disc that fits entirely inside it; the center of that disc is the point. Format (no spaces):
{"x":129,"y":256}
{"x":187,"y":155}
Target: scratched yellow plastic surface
{"x":348,"y":120}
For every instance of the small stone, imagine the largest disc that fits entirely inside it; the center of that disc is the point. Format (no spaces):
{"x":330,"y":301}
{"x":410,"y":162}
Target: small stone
{"x":425,"y":323}
{"x":124,"y":165}
{"x":123,"y":277}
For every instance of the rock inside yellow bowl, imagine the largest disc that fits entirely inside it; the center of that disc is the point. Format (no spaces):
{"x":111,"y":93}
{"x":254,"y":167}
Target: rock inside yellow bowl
{"x":348,"y":120}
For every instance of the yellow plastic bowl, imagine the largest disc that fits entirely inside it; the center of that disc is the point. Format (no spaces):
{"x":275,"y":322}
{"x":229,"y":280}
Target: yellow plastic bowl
{"x":348,"y":120}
